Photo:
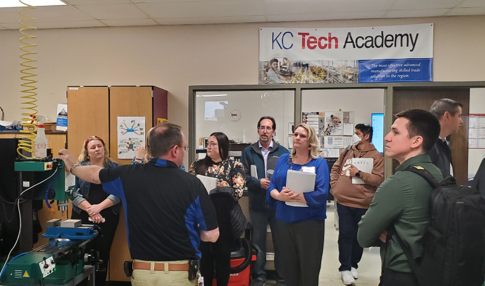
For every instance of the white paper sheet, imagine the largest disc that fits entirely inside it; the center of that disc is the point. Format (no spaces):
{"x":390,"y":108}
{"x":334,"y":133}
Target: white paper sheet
{"x":348,"y":129}
{"x":210,"y":183}
{"x":300,"y":182}
{"x":364,"y":165}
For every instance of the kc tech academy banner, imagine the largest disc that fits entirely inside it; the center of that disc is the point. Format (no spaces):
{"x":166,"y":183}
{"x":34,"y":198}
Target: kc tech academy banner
{"x":346,"y":55}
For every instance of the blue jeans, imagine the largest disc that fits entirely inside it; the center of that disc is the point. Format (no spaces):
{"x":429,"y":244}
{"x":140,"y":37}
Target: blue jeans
{"x":349,"y":249}
{"x":260,"y":221}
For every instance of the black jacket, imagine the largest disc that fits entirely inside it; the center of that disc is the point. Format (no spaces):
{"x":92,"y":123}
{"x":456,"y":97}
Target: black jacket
{"x":440,"y":155}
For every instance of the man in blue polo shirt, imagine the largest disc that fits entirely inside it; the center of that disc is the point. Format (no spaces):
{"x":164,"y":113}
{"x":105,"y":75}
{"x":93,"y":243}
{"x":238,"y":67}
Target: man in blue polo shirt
{"x":167,"y":211}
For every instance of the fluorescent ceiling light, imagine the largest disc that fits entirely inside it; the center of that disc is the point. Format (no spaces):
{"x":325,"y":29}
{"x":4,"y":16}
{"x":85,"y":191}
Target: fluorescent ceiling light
{"x":35,"y":3}
{"x":210,"y":95}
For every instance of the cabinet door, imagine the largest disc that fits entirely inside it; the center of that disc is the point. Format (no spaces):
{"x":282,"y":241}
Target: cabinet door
{"x":128,"y":101}
{"x":87,"y":114}
{"x":125,"y":101}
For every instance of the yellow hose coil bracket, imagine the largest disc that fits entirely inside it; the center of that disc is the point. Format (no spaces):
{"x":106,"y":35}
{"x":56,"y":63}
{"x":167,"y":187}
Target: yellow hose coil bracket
{"x":29,"y":88}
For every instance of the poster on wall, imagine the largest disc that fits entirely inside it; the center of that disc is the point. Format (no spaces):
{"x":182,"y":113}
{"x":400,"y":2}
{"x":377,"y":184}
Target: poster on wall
{"x":311,"y":118}
{"x":346,"y":55}
{"x":131,"y":135}
{"x":476,"y":131}
{"x":334,"y":123}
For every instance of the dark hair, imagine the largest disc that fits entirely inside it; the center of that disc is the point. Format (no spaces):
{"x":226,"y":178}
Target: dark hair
{"x":163,"y":137}
{"x":440,"y":106}
{"x":223,"y":143}
{"x":424,"y":124}
{"x":267,"y":117}
{"x":365,"y":129}
{"x":272,"y":61}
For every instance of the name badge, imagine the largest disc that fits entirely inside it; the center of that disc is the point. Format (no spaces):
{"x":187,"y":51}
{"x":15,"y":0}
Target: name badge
{"x":308,"y":169}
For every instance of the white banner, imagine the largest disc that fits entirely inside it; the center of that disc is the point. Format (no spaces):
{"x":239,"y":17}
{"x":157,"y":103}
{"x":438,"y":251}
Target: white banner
{"x":370,"y":49}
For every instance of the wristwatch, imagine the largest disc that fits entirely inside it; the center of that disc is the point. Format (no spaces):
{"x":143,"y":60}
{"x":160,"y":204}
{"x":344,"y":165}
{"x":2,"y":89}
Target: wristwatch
{"x":357,"y":175}
{"x":74,"y":166}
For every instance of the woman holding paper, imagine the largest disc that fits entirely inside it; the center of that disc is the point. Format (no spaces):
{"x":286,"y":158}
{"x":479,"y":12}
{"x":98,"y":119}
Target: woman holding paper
{"x":300,"y":229}
{"x":230,"y":174}
{"x":92,"y":205}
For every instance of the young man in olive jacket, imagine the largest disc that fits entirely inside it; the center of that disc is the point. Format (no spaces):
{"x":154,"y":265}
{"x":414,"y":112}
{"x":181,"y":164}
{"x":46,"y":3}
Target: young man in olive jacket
{"x":258,"y":154}
{"x":403,"y":200}
{"x":353,"y":200}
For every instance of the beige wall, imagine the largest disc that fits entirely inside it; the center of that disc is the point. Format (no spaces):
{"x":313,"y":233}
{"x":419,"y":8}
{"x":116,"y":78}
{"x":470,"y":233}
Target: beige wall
{"x":175,"y":57}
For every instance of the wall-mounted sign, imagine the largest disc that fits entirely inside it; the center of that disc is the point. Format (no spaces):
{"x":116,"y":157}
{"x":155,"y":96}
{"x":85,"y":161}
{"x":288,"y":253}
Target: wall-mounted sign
{"x":346,"y":55}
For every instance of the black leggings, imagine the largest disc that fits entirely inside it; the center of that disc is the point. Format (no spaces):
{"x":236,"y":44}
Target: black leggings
{"x":219,"y":253}
{"x":101,"y":244}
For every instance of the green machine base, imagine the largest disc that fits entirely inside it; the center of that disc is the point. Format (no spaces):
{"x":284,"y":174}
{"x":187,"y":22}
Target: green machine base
{"x":27,"y":270}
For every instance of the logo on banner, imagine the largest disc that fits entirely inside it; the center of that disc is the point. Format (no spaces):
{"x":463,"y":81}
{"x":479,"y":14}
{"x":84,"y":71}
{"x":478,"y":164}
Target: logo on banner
{"x":346,"y":55}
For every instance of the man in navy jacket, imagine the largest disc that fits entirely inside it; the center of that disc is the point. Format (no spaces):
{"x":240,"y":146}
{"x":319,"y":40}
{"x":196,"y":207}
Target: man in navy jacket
{"x":258,"y":155}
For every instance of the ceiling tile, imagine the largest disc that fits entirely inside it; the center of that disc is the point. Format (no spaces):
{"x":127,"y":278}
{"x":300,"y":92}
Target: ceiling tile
{"x":70,"y":24}
{"x":45,"y":14}
{"x":467,"y":11}
{"x":324,"y":6}
{"x":421,"y":4}
{"x":78,"y":2}
{"x":416,"y":13}
{"x":130,"y":22}
{"x":10,"y":15}
{"x":113,"y":11}
{"x":322,"y":16}
{"x":211,"y":20}
{"x":472,"y":3}
{"x":202,"y":9}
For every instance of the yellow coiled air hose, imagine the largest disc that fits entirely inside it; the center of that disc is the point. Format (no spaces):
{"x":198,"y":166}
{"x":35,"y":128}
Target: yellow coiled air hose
{"x":29,"y":89}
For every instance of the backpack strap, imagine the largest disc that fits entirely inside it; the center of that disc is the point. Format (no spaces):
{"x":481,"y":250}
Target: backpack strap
{"x":425,"y":174}
{"x":412,"y":262}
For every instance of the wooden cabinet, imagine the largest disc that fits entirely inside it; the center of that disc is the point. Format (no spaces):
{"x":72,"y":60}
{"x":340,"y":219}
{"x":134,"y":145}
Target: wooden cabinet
{"x":95,"y":111}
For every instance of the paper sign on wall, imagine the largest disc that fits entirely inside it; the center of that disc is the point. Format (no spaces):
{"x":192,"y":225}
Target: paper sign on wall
{"x":131,"y":135}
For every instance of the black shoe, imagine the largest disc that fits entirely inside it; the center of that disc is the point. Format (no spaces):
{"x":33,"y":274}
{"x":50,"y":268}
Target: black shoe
{"x":259,"y":283}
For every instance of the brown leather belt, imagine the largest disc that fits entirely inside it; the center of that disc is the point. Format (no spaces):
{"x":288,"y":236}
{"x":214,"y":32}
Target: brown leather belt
{"x":160,"y":266}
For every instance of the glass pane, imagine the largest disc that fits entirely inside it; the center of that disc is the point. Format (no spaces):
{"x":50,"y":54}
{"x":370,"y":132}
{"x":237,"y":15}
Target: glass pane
{"x":335,"y":112}
{"x":236,"y":113}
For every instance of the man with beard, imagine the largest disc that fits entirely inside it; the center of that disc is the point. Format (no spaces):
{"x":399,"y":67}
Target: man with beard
{"x":258,"y":155}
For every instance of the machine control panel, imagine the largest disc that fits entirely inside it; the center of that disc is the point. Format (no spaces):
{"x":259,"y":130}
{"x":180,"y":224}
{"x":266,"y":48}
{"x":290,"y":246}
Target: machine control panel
{"x":47,"y":266}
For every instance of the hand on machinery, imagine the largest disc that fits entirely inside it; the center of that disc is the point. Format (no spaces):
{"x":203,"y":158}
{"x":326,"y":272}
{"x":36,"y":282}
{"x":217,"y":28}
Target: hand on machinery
{"x":68,"y":158}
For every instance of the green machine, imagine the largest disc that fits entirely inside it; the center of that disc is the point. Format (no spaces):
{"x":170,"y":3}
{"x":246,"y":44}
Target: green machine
{"x":64,"y":259}
{"x":56,"y":263}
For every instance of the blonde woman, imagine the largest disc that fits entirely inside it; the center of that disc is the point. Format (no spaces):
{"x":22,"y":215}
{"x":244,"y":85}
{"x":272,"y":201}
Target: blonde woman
{"x":92,"y":205}
{"x":300,"y":230}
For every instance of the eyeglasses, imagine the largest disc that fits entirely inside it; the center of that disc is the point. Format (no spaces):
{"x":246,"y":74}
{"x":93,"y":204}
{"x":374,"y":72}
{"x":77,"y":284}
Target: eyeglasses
{"x":262,"y":128}
{"x":185,"y":147}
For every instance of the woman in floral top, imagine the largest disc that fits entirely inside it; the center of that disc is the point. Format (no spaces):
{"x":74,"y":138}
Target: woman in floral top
{"x":230,"y":174}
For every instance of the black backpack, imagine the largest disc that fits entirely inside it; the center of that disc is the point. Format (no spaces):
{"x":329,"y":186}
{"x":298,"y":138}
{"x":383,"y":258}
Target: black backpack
{"x":454,"y":243}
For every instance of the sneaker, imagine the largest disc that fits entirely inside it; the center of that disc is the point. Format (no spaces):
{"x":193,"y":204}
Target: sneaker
{"x":280,"y":283}
{"x":347,"y":277}
{"x":259,"y":283}
{"x":354,"y":273}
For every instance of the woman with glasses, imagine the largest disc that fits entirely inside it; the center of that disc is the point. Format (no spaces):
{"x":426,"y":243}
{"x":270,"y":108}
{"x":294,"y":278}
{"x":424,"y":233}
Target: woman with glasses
{"x":229,"y":174}
{"x":300,"y":229}
{"x":92,"y":205}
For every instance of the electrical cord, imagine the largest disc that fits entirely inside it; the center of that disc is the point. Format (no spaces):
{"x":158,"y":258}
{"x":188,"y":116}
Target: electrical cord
{"x":20,"y":219}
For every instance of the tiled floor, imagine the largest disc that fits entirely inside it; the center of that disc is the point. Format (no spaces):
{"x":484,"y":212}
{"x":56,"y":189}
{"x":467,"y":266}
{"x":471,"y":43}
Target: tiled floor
{"x":369,"y":267}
